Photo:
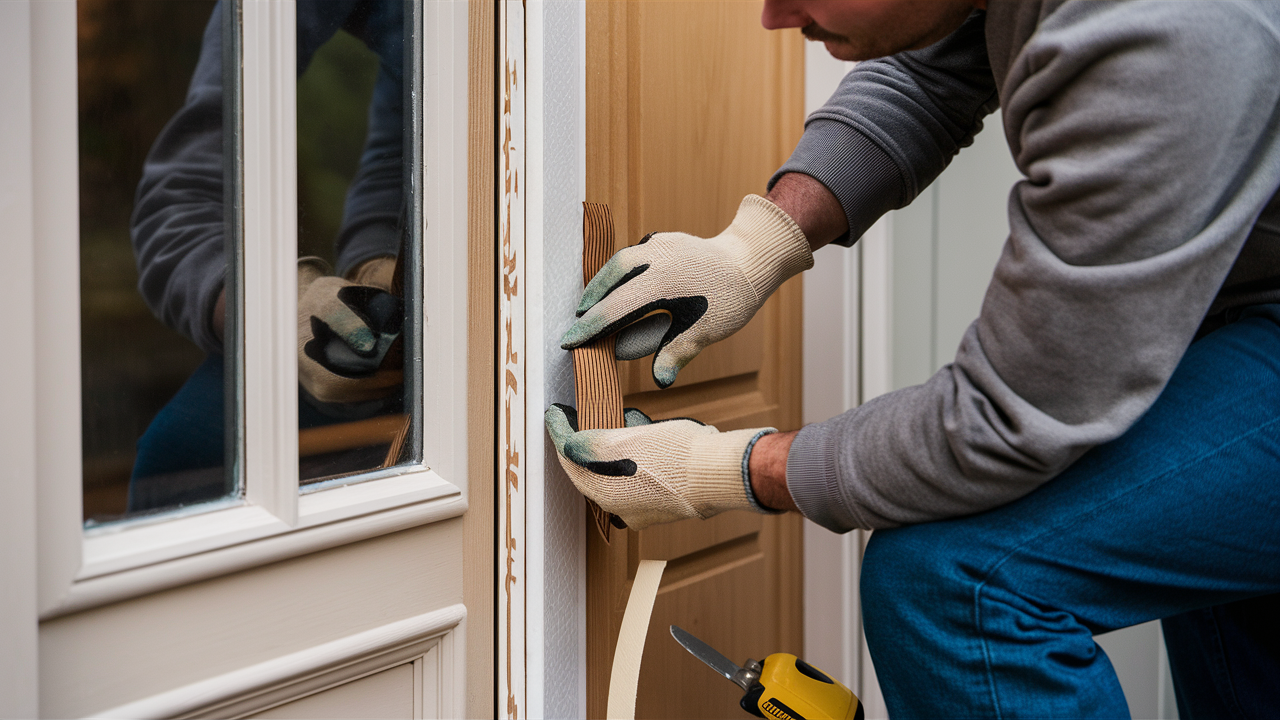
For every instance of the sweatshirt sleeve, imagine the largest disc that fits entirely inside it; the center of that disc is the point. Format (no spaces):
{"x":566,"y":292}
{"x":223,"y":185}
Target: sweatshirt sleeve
{"x":894,"y":124}
{"x":178,"y":223}
{"x":375,"y":210}
{"x":1147,"y":136}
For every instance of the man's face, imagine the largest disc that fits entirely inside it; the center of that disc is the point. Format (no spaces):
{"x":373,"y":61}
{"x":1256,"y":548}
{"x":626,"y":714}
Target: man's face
{"x":866,"y":29}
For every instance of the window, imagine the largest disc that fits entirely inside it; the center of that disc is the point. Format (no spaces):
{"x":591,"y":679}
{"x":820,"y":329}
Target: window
{"x":257,"y":372}
{"x":159,"y":182}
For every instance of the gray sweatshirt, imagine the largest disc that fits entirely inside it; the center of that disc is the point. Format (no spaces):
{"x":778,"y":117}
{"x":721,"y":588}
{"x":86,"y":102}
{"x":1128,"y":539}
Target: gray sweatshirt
{"x":1148,"y":137}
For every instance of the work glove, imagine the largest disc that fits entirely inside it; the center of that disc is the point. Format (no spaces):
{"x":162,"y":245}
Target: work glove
{"x":674,"y":294}
{"x":345,"y":330}
{"x":656,"y":472}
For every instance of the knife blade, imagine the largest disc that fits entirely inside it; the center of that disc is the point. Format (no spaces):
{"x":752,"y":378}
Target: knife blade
{"x":706,"y":653}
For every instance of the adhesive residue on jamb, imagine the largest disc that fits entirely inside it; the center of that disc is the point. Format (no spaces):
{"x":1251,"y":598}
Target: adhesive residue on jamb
{"x":511,"y":339}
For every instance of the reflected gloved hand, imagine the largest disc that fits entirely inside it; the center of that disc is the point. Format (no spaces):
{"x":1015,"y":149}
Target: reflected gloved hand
{"x":675,"y":294}
{"x":655,"y":472}
{"x":345,"y":330}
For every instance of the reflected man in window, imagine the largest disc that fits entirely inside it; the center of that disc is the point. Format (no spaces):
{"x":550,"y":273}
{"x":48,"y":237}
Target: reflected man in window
{"x":350,"y":316}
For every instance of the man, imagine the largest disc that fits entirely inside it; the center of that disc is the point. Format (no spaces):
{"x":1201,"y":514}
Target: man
{"x":1105,"y":448}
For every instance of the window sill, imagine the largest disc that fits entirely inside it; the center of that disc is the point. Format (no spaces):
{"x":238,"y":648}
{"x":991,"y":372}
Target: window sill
{"x":142,"y":559}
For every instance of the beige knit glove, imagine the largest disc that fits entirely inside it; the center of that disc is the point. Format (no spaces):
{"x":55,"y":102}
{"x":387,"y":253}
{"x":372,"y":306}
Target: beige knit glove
{"x":344,"y":332}
{"x":655,"y":472}
{"x":377,"y":272}
{"x":675,"y":294}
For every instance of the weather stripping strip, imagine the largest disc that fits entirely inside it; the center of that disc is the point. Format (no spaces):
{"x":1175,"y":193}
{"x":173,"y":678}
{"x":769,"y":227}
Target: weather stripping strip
{"x":595,"y":371}
{"x":624,"y":680}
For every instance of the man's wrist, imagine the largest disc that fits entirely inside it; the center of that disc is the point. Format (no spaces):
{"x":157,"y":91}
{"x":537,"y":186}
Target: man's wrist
{"x":768,"y":470}
{"x":812,"y":206}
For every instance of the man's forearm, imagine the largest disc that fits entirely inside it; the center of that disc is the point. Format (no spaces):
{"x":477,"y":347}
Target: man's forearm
{"x":821,"y":218}
{"x":768,"y":468}
{"x":812,"y":206}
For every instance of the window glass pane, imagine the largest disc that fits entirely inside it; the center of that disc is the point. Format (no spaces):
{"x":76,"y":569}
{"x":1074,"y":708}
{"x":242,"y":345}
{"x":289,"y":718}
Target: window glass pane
{"x":356,"y":241}
{"x":155,"y":231}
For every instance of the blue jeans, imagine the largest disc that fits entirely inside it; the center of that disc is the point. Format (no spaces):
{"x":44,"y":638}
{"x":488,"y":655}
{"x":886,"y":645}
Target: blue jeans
{"x":180,"y":455}
{"x":993,"y":615}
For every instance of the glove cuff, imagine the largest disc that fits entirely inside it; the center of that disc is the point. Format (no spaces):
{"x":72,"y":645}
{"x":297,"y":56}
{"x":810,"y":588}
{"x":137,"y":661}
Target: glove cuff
{"x":310,"y":269}
{"x":376,"y":272}
{"x":775,"y":246}
{"x":715,"y":482}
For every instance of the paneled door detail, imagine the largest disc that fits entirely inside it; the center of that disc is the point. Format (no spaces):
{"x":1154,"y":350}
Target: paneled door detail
{"x":691,"y":106}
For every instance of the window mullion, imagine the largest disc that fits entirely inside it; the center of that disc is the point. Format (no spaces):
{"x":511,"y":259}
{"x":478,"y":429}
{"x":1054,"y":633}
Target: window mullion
{"x":269,"y":266}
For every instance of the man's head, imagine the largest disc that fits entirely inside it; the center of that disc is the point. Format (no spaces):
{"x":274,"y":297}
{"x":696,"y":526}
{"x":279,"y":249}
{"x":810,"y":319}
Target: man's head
{"x":865,"y":29}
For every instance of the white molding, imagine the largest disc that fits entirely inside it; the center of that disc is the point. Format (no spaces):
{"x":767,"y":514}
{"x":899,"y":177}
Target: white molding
{"x":222,"y":561}
{"x":555,"y":185}
{"x":55,"y":153}
{"x":877,"y":309}
{"x":877,"y":379}
{"x":363,"y":498}
{"x":512,"y":650}
{"x":19,"y":649}
{"x":266,"y":684}
{"x":139,"y":544}
{"x":269,"y":268}
{"x":444,"y":254}
{"x":833,"y":380}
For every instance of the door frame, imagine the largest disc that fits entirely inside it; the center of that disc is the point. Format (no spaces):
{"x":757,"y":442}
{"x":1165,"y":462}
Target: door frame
{"x":19,"y":646}
{"x":543,"y":668}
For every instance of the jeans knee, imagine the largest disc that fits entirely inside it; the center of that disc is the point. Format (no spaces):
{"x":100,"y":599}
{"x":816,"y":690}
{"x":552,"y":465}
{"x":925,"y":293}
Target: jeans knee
{"x":906,"y":568}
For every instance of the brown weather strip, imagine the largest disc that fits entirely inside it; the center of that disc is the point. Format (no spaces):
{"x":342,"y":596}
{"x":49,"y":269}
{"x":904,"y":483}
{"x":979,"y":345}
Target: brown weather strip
{"x":595,"y":371}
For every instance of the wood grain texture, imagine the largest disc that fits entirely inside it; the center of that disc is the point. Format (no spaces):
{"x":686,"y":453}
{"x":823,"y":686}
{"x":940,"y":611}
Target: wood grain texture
{"x":479,"y":538}
{"x":595,"y":371}
{"x":691,"y":106}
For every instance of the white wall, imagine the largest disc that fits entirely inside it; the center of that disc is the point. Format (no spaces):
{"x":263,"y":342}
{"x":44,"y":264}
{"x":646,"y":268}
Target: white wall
{"x":831,"y":386}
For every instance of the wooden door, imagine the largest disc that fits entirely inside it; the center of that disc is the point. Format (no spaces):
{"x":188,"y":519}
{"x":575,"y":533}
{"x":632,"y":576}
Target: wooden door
{"x":691,"y":106}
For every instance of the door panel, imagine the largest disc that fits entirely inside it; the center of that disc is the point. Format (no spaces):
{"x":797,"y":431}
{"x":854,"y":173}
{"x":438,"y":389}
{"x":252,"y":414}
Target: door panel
{"x":691,"y":106}
{"x":389,"y":694}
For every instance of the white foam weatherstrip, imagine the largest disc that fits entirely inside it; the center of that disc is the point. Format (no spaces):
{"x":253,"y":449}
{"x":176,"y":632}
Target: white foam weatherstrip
{"x":624,"y":679}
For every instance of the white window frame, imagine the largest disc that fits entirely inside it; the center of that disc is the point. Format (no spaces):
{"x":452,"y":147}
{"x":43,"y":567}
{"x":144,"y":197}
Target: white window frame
{"x":78,"y":570}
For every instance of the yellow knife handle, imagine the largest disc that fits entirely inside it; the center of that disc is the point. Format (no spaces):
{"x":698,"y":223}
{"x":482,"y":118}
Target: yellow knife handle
{"x":792,"y":689}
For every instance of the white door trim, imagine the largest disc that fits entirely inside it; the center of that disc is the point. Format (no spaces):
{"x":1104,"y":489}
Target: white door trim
{"x":19,"y":689}
{"x":266,"y":684}
{"x":512,"y":550}
{"x":555,"y":185}
{"x":848,"y":361}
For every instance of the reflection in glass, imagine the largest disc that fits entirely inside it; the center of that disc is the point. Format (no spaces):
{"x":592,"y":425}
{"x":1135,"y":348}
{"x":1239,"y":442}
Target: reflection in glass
{"x":154,"y":232}
{"x":160,"y":231}
{"x":355,"y":238}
